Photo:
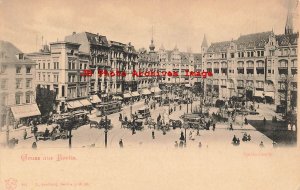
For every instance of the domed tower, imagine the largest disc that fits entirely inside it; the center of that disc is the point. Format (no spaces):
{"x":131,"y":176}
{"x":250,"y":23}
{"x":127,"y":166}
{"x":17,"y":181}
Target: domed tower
{"x":152,"y":46}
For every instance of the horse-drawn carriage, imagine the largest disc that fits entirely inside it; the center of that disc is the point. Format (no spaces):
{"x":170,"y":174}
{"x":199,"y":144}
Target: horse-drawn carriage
{"x":137,"y":124}
{"x":56,"y":133}
{"x":102,"y":124}
{"x":175,"y":123}
{"x":193,"y":121}
{"x":149,"y":121}
{"x":143,"y":113}
{"x":74,"y":119}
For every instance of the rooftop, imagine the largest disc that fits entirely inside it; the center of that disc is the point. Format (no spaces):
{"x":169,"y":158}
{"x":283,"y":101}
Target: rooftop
{"x":284,"y":40}
{"x":11,"y":54}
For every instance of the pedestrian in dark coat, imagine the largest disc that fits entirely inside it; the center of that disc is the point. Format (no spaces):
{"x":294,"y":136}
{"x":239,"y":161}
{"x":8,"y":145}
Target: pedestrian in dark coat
{"x":34,"y":146}
{"x":121,"y":143}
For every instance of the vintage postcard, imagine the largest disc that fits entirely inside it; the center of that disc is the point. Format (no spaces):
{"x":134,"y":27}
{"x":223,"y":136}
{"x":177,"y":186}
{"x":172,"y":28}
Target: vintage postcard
{"x":128,"y":94}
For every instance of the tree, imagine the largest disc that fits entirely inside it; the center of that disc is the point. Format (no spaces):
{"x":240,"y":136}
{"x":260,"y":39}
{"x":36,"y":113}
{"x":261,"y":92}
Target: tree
{"x":197,"y":89}
{"x":45,"y":99}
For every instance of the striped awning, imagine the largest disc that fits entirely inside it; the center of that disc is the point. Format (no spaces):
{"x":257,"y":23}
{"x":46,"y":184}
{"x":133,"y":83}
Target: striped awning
{"x":117,"y":98}
{"x":126,"y":95}
{"x":95,"y":99}
{"x":146,"y":91}
{"x":74,"y":104}
{"x":85,"y":102}
{"x":259,"y":93}
{"x":155,"y":89}
{"x":270,"y":94}
{"x":23,"y":111}
{"x":135,"y":94}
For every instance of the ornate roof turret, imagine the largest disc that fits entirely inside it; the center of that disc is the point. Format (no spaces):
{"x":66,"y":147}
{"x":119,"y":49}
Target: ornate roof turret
{"x":204,"y":42}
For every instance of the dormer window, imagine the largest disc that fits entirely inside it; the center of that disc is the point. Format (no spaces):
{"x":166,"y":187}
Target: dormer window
{"x":20,"y":56}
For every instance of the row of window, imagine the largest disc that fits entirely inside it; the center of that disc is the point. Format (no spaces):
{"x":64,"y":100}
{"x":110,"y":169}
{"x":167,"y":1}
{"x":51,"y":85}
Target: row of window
{"x":284,"y":52}
{"x":72,"y":92}
{"x":28,"y":96}
{"x":18,"y":98}
{"x":48,"y":79}
{"x":19,"y":84}
{"x":19,"y":69}
{"x":73,"y":78}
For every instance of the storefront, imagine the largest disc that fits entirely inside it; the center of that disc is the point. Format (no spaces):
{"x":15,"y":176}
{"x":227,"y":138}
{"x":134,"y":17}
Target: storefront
{"x":259,"y":96}
{"x":135,"y":96}
{"x":145,"y":92}
{"x":127,"y":98}
{"x":24,"y":113}
{"x":269,"y":97}
{"x":117,"y":98}
{"x":95,"y":99}
{"x":79,"y":104}
{"x":155,"y":90}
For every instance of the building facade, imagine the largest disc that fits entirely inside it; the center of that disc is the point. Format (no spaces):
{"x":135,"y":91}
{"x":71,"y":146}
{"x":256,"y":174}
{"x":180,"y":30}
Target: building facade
{"x":178,"y":62}
{"x":59,"y":70}
{"x":17,"y":79}
{"x":261,"y":65}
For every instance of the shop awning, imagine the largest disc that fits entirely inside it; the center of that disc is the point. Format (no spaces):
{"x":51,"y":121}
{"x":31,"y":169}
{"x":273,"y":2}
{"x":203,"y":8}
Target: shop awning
{"x":95,"y":99}
{"x":126,"y":95}
{"x":135,"y":94}
{"x":270,"y":94}
{"x":259,"y":93}
{"x":157,"y":96}
{"x":74,"y":104}
{"x":85,"y":102}
{"x":155,"y":89}
{"x":117,"y":98}
{"x":25,"y":111}
{"x":146,"y":91}
{"x":187,"y":85}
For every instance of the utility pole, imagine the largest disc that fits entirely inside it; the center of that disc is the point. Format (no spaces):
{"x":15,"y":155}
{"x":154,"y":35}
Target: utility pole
{"x":68,"y":124}
{"x":7,"y":135}
{"x":191,"y":106}
{"x":7,"y":125}
{"x":105,"y":137}
{"x":70,"y":138}
{"x":187,"y":107}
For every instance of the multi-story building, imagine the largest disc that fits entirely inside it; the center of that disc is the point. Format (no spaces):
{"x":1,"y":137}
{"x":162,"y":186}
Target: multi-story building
{"x":97,"y":47}
{"x":130,"y":64}
{"x":110,"y":56}
{"x":17,"y":79}
{"x":59,"y":70}
{"x":178,"y":62}
{"x":260,"y":65}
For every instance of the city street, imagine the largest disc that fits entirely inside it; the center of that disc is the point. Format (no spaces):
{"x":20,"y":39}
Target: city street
{"x":85,"y":136}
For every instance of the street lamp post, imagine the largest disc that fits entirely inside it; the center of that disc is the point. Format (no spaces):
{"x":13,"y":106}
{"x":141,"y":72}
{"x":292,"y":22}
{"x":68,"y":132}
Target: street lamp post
{"x":187,"y":103}
{"x":202,"y":95}
{"x":69,"y":126}
{"x":7,"y":125}
{"x":105,"y":137}
{"x":185,"y":135}
{"x":187,"y":107}
{"x":131,"y":112}
{"x":70,"y":138}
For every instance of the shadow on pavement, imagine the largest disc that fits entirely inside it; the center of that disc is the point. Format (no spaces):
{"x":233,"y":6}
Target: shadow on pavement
{"x":277,"y":131}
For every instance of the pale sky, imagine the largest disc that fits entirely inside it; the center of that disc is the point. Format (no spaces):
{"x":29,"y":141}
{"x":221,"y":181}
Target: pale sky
{"x":176,"y":22}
